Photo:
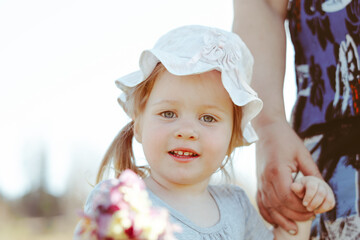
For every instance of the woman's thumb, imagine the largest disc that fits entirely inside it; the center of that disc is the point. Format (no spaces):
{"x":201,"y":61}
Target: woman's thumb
{"x":307,"y":165}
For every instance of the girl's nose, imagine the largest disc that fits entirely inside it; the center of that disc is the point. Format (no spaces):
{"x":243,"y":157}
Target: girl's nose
{"x":187,"y":132}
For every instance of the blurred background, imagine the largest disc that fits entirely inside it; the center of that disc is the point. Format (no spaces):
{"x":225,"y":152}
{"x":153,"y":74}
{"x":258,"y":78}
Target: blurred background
{"x":58,"y":107}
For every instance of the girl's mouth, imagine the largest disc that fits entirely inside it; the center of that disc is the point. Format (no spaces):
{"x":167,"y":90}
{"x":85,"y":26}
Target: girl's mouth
{"x":183,"y":154}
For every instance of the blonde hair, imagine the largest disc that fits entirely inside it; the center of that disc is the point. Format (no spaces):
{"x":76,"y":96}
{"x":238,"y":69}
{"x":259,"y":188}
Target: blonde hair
{"x":120,"y":153}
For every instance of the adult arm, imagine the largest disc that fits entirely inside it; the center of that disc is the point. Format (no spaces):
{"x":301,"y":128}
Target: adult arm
{"x":279,"y":151}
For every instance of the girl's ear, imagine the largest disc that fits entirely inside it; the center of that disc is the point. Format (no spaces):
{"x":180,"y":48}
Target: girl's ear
{"x":137,"y":131}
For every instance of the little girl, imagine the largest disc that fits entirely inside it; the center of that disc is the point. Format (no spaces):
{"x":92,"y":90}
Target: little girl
{"x":191,"y":106}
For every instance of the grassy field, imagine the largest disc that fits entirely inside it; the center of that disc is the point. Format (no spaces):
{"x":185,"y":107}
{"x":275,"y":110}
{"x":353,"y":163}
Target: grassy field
{"x":56,"y":228}
{"x":16,"y":225}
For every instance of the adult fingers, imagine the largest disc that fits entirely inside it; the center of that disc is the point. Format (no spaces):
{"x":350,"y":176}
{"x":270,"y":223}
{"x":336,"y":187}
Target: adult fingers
{"x":281,"y":186}
{"x":293,"y":215}
{"x":285,"y":223}
{"x":275,"y":218}
{"x":263,"y":210}
{"x":269,"y":205}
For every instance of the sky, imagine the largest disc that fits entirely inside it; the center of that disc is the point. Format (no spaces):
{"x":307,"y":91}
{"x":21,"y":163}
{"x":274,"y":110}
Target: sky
{"x":58,"y":64}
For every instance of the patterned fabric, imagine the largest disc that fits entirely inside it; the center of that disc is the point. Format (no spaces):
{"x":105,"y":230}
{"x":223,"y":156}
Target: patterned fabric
{"x":326,"y":39}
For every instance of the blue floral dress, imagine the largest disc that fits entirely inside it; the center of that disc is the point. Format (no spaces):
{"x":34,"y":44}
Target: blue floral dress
{"x":326,"y":39}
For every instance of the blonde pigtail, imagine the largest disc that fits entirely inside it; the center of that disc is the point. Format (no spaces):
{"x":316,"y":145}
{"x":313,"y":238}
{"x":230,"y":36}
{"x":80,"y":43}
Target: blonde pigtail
{"x":120,"y":154}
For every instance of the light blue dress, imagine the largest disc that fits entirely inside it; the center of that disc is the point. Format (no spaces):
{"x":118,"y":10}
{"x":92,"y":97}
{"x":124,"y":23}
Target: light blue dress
{"x":238,"y":218}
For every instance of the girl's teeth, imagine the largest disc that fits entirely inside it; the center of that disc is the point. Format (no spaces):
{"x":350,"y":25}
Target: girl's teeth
{"x":181,"y":153}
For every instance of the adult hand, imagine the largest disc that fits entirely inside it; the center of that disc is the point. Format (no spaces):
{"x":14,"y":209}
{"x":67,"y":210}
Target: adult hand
{"x":279,"y":153}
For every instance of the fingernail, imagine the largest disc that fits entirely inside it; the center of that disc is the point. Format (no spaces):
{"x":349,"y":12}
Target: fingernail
{"x":292,"y":232}
{"x":305,"y":203}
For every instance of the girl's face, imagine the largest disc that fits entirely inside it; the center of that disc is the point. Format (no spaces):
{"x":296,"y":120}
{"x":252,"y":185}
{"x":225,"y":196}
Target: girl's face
{"x":186,"y":127}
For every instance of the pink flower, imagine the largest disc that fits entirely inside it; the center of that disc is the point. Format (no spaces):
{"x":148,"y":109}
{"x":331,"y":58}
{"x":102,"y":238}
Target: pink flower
{"x":125,"y":212}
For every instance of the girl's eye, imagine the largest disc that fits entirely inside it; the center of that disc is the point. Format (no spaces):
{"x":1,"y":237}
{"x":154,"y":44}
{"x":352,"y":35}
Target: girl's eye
{"x":168,"y":114}
{"x":208,"y":118}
